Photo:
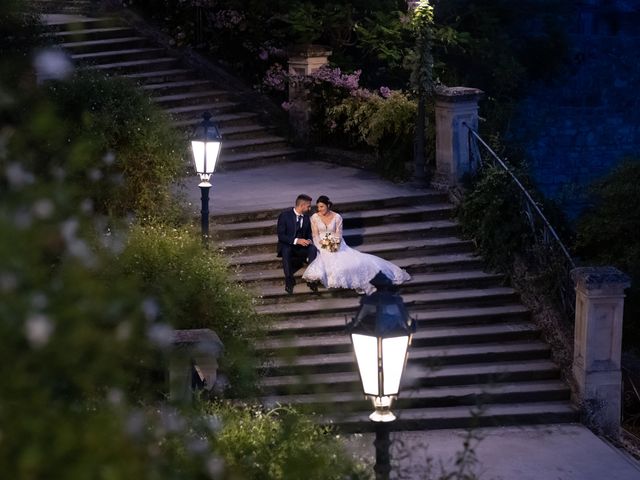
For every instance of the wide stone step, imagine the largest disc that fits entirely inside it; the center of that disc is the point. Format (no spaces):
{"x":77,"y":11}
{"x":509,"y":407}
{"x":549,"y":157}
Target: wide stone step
{"x":154,"y":76}
{"x":88,"y":46}
{"x":236,"y":161}
{"x":191,"y":98}
{"x":223,"y":120}
{"x":303,"y":343}
{"x":432,"y":397}
{"x":357,"y":236}
{"x":125,"y":55}
{"x":190,"y":111}
{"x":135,"y":66}
{"x":358,"y":219}
{"x":389,"y":250}
{"x":244,"y":131}
{"x":463,"y":416}
{"x":417,"y":264}
{"x":422,"y":198}
{"x":58,"y":23}
{"x":166,"y":88}
{"x":425,"y":357}
{"x":348,"y":306}
{"x":448,"y":375}
{"x":254,"y":144}
{"x":426,"y":319}
{"x":94,"y":33}
{"x":275,"y":294}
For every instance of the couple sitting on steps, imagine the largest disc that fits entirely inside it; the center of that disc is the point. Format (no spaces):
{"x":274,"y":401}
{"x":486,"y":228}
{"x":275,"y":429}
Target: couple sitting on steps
{"x":318,"y":241}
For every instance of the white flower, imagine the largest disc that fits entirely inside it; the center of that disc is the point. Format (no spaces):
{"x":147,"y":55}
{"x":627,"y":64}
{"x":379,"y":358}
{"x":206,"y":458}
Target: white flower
{"x":160,"y":334}
{"x":43,"y":208}
{"x":38,"y":329}
{"x":52,"y":64}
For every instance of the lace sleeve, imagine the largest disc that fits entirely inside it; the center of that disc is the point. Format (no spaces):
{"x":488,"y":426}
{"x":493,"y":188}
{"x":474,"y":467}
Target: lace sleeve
{"x":338,"y":226}
{"x":314,"y":231}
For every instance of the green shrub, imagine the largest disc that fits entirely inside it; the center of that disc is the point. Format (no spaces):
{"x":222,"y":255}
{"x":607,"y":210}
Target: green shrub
{"x":76,"y":356}
{"x":384,"y":124}
{"x":193,"y":289}
{"x":280,"y":444}
{"x":607,"y":235}
{"x":491,"y":214}
{"x":140,"y":150}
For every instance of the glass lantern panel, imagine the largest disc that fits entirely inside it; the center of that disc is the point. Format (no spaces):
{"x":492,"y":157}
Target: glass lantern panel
{"x":366,"y":349}
{"x":212,"y":151}
{"x":394,"y":351}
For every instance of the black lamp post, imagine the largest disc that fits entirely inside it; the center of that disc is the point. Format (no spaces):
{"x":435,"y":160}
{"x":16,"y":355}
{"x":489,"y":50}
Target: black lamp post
{"x":381,"y":333}
{"x":205,"y":144}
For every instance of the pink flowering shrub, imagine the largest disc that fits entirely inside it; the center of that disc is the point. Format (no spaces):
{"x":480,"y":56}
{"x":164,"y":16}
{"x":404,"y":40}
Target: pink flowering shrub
{"x":275,"y":78}
{"x":335,"y":77}
{"x":227,"y":19}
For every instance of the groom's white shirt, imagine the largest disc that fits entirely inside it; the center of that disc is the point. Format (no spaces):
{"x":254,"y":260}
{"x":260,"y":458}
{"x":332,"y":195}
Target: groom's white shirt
{"x":295,"y":240}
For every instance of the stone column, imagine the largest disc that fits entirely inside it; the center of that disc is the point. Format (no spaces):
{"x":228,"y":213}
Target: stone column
{"x":302,"y":62}
{"x":454,"y":106}
{"x":597,"y":347}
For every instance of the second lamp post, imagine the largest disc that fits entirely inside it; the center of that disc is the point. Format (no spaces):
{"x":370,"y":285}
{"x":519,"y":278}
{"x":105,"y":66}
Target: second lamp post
{"x":381,"y":334}
{"x":205,"y":145}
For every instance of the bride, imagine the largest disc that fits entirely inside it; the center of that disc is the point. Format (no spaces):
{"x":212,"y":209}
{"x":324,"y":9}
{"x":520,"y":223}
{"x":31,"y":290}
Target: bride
{"x":339,"y":266}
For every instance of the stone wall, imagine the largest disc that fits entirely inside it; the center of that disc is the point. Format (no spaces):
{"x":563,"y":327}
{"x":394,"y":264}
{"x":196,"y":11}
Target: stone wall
{"x":576,"y":129}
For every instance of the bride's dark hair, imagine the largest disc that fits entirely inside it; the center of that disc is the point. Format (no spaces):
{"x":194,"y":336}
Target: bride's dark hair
{"x":324,"y":199}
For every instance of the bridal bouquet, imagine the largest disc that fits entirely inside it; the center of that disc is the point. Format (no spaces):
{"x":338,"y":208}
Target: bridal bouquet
{"x":329,"y":242}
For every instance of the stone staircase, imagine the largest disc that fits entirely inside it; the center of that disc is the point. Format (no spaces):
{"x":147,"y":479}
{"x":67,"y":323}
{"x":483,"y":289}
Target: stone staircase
{"x":111,"y":46}
{"x":476,"y":359}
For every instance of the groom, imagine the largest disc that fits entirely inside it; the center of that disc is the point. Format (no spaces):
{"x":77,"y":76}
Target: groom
{"x":294,"y":240}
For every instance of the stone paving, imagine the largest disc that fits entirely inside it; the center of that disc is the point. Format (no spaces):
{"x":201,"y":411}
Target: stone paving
{"x":546,"y":452}
{"x":276,"y":186}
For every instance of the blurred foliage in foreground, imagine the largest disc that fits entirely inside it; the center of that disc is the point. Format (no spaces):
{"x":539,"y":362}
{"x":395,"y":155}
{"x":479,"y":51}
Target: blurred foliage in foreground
{"x":88,"y":303}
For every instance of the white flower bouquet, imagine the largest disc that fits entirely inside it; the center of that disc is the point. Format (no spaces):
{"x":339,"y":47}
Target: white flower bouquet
{"x":329,"y":242}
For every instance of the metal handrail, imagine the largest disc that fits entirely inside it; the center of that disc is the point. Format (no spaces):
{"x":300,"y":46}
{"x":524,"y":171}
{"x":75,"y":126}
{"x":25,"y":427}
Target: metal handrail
{"x":531,"y":202}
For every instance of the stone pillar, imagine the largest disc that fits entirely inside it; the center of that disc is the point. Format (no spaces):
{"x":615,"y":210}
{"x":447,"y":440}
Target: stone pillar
{"x":194,"y":357}
{"x":454,"y":106}
{"x":597,"y":344}
{"x":302,"y":62}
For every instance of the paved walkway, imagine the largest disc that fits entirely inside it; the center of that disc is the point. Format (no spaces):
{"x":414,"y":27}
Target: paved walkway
{"x":547,"y":452}
{"x":276,"y":186}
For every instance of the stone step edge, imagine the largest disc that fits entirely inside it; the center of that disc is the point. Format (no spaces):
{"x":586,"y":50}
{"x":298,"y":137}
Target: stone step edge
{"x":422,"y":196}
{"x":446,"y":371}
{"x":262,"y":240}
{"x":410,"y":299}
{"x":338,"y":321}
{"x":438,"y":354}
{"x":347,"y":217}
{"x":442,"y":333}
{"x":477,"y":389}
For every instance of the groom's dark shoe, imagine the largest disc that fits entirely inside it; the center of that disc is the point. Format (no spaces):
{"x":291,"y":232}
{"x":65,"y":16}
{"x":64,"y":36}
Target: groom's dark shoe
{"x":313,"y":286}
{"x":288,"y":289}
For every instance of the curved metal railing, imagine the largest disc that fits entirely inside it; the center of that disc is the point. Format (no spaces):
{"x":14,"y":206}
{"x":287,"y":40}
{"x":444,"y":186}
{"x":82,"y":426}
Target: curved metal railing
{"x":551,"y":254}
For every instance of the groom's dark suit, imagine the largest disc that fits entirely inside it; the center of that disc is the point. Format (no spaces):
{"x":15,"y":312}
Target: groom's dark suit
{"x":293,"y":256}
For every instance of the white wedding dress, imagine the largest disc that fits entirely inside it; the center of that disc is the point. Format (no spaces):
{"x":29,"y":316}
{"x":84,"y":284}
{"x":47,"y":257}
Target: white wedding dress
{"x":347,"y":267}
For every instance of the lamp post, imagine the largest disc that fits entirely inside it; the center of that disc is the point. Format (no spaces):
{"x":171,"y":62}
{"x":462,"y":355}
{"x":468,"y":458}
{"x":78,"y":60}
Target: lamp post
{"x":421,"y":76}
{"x":381,"y":333}
{"x":205,"y":145}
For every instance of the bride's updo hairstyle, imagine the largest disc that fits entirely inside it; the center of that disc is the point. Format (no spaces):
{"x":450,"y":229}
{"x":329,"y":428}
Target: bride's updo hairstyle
{"x":324,"y":199}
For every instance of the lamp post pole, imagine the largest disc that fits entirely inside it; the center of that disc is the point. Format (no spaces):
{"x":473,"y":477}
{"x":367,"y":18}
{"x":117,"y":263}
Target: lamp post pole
{"x":382,"y":443}
{"x":204,"y":212}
